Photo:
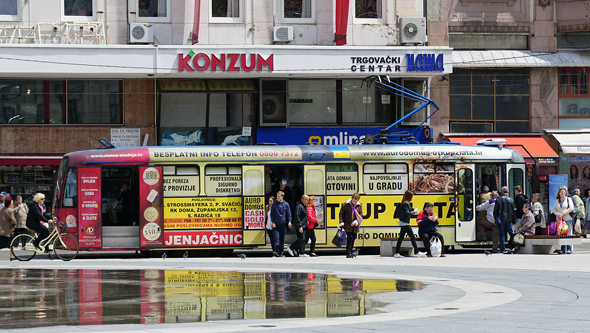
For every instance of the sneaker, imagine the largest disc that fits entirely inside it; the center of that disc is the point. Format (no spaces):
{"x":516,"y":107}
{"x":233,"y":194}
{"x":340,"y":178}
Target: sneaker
{"x":303,"y":255}
{"x":313,"y":255}
{"x":397,"y":255}
{"x":429,"y":255}
{"x":290,"y":252}
{"x":442,"y":255}
{"x":508,"y":251}
{"x":349,"y":256}
{"x":568,"y":252}
{"x":274,"y":254}
{"x":421,"y":254}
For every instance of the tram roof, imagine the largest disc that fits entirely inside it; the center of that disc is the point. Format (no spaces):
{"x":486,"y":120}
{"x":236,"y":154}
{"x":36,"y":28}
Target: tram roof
{"x":286,"y":154}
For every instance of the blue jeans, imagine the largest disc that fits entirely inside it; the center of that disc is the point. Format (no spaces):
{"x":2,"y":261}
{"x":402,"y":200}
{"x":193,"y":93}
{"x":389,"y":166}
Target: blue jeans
{"x":503,"y":228}
{"x":279,"y":237}
{"x":570,"y":228}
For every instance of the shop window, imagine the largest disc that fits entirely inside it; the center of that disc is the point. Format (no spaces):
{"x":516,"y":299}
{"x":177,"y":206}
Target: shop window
{"x":223,"y":181}
{"x":94,"y":102}
{"x":409,"y":104}
{"x":10,"y":10}
{"x":299,"y":11}
{"x":153,"y":10}
{"x":78,"y":10}
{"x":434,"y":178}
{"x":273,"y":102}
{"x":26,"y":181}
{"x":226,"y":11}
{"x":385,"y":178}
{"x":312,"y":101}
{"x":342,"y":179}
{"x":364,"y":104}
{"x":368,"y":9}
{"x":180,"y":181}
{"x":574,"y":98}
{"x":490,"y":101}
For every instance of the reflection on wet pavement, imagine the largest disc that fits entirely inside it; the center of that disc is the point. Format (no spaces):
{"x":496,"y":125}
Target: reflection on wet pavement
{"x":36,"y":298}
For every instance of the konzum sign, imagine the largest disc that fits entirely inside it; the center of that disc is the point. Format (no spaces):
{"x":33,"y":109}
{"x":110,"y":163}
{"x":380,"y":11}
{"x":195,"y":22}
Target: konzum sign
{"x":230,"y":62}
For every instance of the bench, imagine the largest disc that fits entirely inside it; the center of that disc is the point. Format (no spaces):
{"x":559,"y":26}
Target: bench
{"x":545,"y":244}
{"x":387,"y":247}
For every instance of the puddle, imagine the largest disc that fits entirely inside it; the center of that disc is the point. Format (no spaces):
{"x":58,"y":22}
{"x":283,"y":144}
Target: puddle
{"x":38,"y":298}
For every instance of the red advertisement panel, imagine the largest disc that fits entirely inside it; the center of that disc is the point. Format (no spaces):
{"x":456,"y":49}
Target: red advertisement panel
{"x":89,"y":211}
{"x":183,"y":238}
{"x":151,"y":219}
{"x":90,"y":294}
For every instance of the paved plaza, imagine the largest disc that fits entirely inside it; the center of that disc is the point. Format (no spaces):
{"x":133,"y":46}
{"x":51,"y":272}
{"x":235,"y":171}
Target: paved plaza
{"x":466,"y":292}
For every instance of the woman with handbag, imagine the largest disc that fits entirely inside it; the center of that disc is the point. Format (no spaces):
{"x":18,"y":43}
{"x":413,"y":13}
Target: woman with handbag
{"x":350,"y":215}
{"x":268,"y":224}
{"x":526,"y":227}
{"x":313,"y":222}
{"x":539,"y":214}
{"x":404,"y":212}
{"x":562,"y":207}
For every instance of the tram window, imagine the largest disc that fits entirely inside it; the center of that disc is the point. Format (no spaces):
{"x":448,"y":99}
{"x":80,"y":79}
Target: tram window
{"x":253,"y":183}
{"x":465,"y":194}
{"x":342,"y":179}
{"x":223,"y":181}
{"x":515,"y":178}
{"x":181,"y":181}
{"x":434,"y":178}
{"x":385,"y":178}
{"x":71,"y":190}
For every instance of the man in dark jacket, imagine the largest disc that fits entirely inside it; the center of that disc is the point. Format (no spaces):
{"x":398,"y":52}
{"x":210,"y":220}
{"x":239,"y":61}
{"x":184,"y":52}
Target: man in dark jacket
{"x":504,"y":215}
{"x":519,"y":200}
{"x":280,"y":215}
{"x":300,"y":224}
{"x":427,"y":222}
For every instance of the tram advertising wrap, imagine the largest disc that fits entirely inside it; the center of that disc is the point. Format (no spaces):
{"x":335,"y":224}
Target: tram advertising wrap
{"x":203,"y":213}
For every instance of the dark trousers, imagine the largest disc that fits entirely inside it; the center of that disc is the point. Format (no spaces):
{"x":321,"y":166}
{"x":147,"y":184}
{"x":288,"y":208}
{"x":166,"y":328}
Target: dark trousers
{"x":20,"y":231}
{"x":310,"y":234}
{"x":271,"y":237}
{"x":426,"y":236}
{"x":503,"y":228}
{"x":42,"y":233}
{"x":279,"y":237}
{"x":300,"y":242}
{"x":350,"y":237}
{"x":402,"y":234}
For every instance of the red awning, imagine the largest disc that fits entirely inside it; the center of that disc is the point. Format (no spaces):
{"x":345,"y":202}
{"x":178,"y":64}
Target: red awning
{"x":535,"y":145}
{"x":30,"y":160}
{"x":341,"y":21}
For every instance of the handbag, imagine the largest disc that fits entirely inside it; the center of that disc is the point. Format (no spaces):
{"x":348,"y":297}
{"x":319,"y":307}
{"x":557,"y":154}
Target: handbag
{"x":337,"y":240}
{"x":519,"y":239}
{"x":435,"y":246}
{"x":552,"y":228}
{"x":574,"y":213}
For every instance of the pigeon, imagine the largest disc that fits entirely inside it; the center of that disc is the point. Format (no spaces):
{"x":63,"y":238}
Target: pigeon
{"x":185,"y":255}
{"x":242,"y":256}
{"x":355,"y":253}
{"x":164,"y":256}
{"x":487,"y":253}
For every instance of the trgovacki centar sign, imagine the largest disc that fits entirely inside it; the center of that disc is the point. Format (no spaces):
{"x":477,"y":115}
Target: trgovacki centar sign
{"x":225,"y":62}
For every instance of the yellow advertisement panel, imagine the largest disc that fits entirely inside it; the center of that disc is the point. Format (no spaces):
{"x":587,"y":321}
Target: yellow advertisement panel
{"x":181,"y":186}
{"x":378,"y":209}
{"x":204,"y":283}
{"x":202,"y":213}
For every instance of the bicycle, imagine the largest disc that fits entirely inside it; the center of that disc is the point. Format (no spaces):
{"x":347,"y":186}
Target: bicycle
{"x":65,"y":246}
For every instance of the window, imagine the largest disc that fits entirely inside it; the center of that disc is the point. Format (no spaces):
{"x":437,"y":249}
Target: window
{"x":385,"y":178}
{"x":465,"y":202}
{"x":434,"y":178}
{"x":341,"y":179}
{"x":574,"y":98}
{"x":368,"y":9}
{"x":94,"y":102}
{"x":228,"y":11}
{"x":312,"y":101}
{"x":153,"y":10}
{"x":78,"y":10}
{"x":409,"y":105}
{"x":490,"y":100}
{"x":364,"y":104}
{"x":9,"y":10}
{"x":223,"y":181}
{"x":180,"y":181}
{"x":298,"y":11}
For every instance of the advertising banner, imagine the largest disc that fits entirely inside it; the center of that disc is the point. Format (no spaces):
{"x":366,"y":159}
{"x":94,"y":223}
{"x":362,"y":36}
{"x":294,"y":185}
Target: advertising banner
{"x":579,"y":174}
{"x":342,"y":178}
{"x":254,"y":213}
{"x":327,"y":136}
{"x":192,"y":238}
{"x":151,"y":207}
{"x":555,"y":181}
{"x":89,"y":212}
{"x":202,"y":213}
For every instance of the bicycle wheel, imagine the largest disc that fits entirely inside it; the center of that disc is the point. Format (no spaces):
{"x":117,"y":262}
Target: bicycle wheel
{"x":22,"y":252}
{"x":67,"y":248}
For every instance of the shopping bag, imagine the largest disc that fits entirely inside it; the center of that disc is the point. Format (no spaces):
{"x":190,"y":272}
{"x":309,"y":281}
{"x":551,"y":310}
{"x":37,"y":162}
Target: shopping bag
{"x":552,"y":228}
{"x":337,"y":240}
{"x":578,"y":227}
{"x":435,"y":246}
{"x":562,"y":228}
{"x":518,"y":239}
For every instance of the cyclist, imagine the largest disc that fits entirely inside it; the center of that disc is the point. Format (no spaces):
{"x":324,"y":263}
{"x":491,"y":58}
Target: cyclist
{"x":37,"y":215}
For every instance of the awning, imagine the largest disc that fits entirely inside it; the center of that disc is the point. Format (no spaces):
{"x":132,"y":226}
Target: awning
{"x":536,"y":145}
{"x":572,"y":141}
{"x":486,"y":59}
{"x":30,"y":160}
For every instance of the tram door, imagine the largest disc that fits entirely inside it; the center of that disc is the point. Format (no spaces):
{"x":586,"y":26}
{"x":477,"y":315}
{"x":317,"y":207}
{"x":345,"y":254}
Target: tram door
{"x":253,"y":218}
{"x":315,"y":184}
{"x":516,"y":177}
{"x":465,"y":215}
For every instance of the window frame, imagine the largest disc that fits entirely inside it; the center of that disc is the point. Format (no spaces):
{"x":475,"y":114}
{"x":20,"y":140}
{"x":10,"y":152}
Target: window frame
{"x":13,"y":18}
{"x":280,"y":5}
{"x":163,"y":19}
{"x":165,"y":173}
{"x":381,"y":20}
{"x":239,"y":19}
{"x":366,"y":190}
{"x":204,"y":191}
{"x":582,"y":71}
{"x":74,"y":18}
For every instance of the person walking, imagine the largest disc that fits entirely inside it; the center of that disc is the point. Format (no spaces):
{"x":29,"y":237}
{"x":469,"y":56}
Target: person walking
{"x":312,"y":224}
{"x":7,"y":223}
{"x":504,"y":215}
{"x":268,"y":224}
{"x":427,"y":222}
{"x":538,"y":214}
{"x":21,"y":211}
{"x":300,"y":223}
{"x":280,"y":213}
{"x":562,"y":207}
{"x":582,"y":212}
{"x":488,"y":222}
{"x":351,"y":213}
{"x":404,"y":212}
{"x":519,"y":201}
{"x":527,"y":225}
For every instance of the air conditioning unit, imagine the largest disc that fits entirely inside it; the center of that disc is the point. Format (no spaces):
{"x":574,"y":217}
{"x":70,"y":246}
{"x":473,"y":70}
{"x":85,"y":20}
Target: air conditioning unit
{"x":273,"y":109}
{"x":141,"y":33}
{"x":413,"y":30}
{"x":282,"y":34}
